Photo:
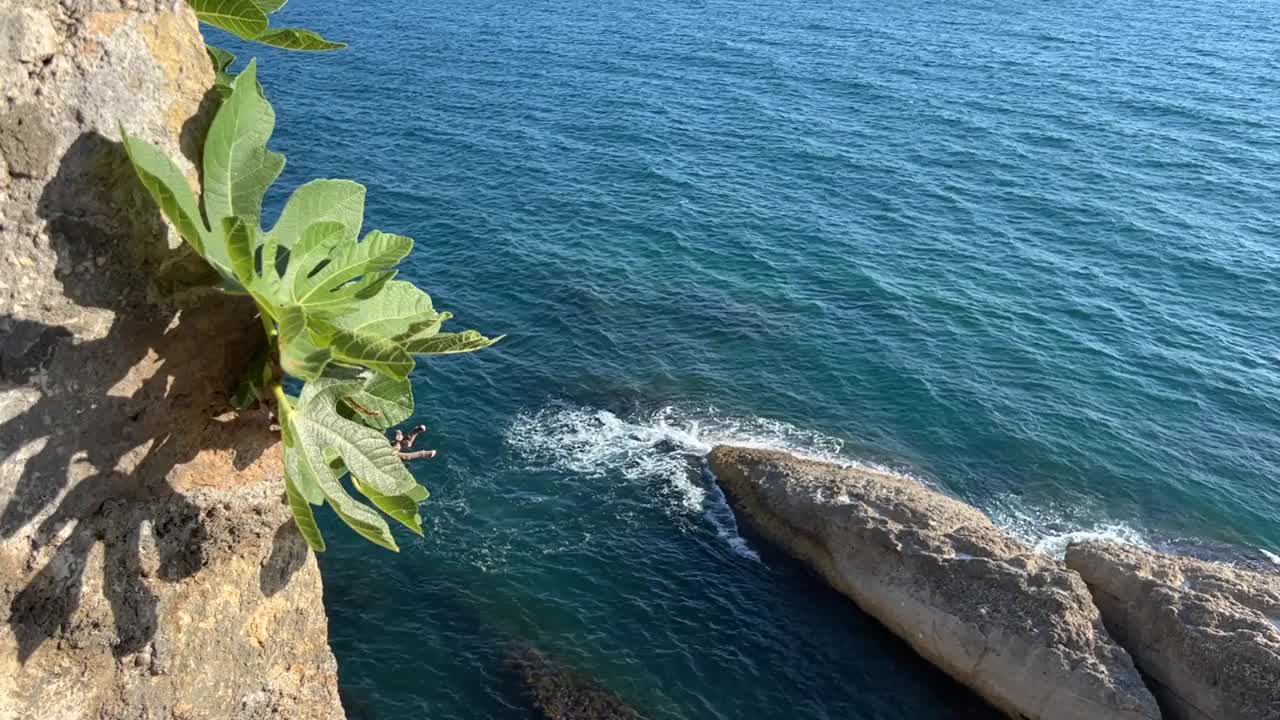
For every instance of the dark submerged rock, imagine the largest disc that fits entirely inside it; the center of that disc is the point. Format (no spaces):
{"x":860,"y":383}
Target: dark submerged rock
{"x":560,"y":693}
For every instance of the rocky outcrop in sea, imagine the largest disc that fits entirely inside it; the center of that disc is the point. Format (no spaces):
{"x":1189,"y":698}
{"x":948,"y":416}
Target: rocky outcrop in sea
{"x":1016,"y":626}
{"x":1206,"y":635}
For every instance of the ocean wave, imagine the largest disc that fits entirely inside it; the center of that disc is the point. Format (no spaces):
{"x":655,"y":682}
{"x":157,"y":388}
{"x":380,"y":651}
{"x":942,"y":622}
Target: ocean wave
{"x":1050,"y":530}
{"x":665,"y":446}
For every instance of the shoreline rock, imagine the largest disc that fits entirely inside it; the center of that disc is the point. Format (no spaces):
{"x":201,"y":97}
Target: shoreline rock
{"x":1015,"y":626}
{"x":1207,"y":635}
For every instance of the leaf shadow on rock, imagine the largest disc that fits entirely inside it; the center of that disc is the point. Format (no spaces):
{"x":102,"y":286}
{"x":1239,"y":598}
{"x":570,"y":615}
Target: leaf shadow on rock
{"x":288,"y":554}
{"x":110,"y":416}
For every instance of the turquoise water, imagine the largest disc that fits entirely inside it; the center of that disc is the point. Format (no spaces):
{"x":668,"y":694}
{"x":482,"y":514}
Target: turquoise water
{"x":1025,"y":252}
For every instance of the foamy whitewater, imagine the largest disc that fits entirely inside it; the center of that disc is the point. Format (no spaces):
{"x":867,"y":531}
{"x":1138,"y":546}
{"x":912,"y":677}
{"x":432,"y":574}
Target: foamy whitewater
{"x":666,"y":448}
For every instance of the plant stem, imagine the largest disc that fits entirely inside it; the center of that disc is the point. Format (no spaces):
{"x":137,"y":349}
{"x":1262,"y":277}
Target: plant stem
{"x":283,"y":407}
{"x":267,"y":326}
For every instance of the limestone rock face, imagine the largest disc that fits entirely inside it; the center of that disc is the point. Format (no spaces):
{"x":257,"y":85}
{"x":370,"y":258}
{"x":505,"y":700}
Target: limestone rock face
{"x":1017,"y":627}
{"x":148,"y":567}
{"x":1206,"y":634}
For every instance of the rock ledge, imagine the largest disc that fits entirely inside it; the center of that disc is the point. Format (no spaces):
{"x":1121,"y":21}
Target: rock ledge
{"x":1207,"y":635}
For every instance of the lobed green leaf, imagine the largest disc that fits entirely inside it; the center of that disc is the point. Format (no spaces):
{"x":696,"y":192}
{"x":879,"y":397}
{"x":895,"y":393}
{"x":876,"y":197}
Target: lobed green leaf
{"x":270,"y":6}
{"x":297,"y":39}
{"x":242,"y":18}
{"x":323,"y":444}
{"x":400,"y":310}
{"x":340,"y":201}
{"x":238,"y":167}
{"x":223,"y":80}
{"x":367,"y":454}
{"x":403,"y":508}
{"x":300,"y":355}
{"x":302,"y":515}
{"x":378,"y":401}
{"x":168,"y":187}
{"x":450,"y":343}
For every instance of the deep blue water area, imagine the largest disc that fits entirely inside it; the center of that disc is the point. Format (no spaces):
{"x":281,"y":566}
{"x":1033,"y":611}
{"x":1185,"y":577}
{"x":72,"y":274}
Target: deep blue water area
{"x":1025,"y":252}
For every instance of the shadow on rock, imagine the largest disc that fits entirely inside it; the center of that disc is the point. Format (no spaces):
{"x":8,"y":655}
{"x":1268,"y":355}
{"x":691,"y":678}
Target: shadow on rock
{"x":560,"y":693}
{"x":106,"y":417}
{"x":288,"y":554}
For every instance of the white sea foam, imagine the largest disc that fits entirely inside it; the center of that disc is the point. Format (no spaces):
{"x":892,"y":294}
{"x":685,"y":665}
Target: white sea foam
{"x":656,"y":447}
{"x":1050,"y":531}
{"x":1274,"y":558}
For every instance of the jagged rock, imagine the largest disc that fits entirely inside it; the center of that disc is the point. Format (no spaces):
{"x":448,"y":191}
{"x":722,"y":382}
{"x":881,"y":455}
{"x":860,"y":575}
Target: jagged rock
{"x":148,"y":568}
{"x":559,"y":693}
{"x":1017,"y":627}
{"x":26,"y":35}
{"x":1206,"y":634}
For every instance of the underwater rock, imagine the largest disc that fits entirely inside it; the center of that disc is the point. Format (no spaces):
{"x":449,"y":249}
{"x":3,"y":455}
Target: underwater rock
{"x":560,"y":693}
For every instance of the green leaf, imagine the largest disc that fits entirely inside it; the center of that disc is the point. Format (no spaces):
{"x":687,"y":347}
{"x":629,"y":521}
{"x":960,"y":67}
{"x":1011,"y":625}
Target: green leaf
{"x":326,"y":275}
{"x":376,"y":353}
{"x":240,"y":248}
{"x":238,"y":167}
{"x":222,"y":59}
{"x":401,"y":507}
{"x":311,"y":250}
{"x":327,"y":443}
{"x":297,"y":39}
{"x":223,"y":80}
{"x":305,"y":484}
{"x":340,"y":201}
{"x":300,"y":355}
{"x":168,"y":186}
{"x":400,"y":310}
{"x":379,"y":402}
{"x":378,"y":252}
{"x":270,"y":6}
{"x":302,"y":515}
{"x":317,"y":426}
{"x":450,"y":343}
{"x":243,"y":18}
{"x":358,"y":516}
{"x":257,"y":378}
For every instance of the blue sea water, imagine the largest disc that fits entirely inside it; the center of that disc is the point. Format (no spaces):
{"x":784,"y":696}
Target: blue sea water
{"x":1025,"y":252}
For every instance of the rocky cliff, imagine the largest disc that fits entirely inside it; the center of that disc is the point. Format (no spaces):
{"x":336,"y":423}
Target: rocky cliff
{"x":1017,"y":627}
{"x":148,"y":568}
{"x":1207,"y":635}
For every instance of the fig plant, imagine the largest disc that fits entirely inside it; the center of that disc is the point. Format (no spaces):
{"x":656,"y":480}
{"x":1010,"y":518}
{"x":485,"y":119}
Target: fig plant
{"x":334,"y":315}
{"x":247,"y":20}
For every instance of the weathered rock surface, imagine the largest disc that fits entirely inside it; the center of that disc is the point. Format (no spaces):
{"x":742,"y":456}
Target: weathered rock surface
{"x":1017,"y":627}
{"x":1207,"y":635}
{"x":148,"y":568}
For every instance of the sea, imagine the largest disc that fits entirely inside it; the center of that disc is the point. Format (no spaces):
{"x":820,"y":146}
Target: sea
{"x":1024,"y":252}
